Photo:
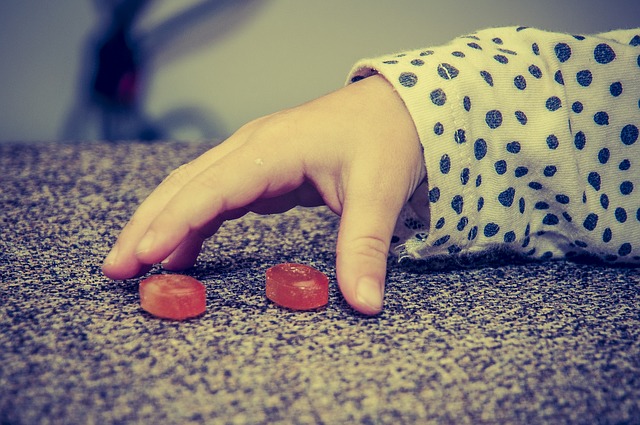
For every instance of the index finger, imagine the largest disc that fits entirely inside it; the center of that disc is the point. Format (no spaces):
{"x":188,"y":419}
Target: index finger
{"x":241,"y":177}
{"x":121,"y":263}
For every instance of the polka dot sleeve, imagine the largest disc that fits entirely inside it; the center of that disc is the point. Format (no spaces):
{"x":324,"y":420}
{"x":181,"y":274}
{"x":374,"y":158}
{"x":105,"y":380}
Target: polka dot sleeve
{"x":530,"y":143}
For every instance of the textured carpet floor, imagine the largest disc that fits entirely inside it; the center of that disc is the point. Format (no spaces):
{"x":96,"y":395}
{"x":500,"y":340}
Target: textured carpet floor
{"x":500,"y":342}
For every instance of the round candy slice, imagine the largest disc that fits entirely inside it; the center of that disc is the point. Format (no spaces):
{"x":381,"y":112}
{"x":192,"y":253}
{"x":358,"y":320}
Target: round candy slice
{"x":297,"y":286}
{"x":172,"y":296}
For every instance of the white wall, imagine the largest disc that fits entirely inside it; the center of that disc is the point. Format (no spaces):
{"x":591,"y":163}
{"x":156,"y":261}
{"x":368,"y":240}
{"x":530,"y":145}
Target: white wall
{"x":282,"y":54}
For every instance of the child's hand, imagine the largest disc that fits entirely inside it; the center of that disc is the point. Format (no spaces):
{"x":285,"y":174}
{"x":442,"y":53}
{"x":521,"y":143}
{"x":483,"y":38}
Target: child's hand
{"x":355,"y":150}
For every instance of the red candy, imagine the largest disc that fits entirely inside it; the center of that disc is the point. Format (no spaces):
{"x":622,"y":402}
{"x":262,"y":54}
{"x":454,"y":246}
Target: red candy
{"x":172,"y":296}
{"x":297,"y":286}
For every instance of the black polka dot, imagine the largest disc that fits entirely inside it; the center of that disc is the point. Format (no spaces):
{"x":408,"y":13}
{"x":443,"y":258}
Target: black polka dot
{"x":480,"y":203}
{"x":535,"y":49}
{"x":443,"y":240}
{"x":497,"y":40}
{"x":541,"y":205}
{"x":457,"y":203}
{"x":445,"y":164}
{"x":550,"y":170}
{"x":603,"y":155}
{"x":521,"y":117}
{"x":509,"y":236}
{"x":621,"y":214}
{"x":563,"y":52}
{"x":594,"y":180}
{"x":501,"y":59}
{"x":390,"y":62}
{"x":427,"y":53}
{"x":487,"y":77}
{"x":553,"y":103}
{"x":491,"y":229}
{"x":447,"y":71}
{"x":581,"y":244}
{"x":535,"y":71}
{"x":626,"y":188}
{"x":521,"y":171}
{"x":506,"y":197}
{"x":520,"y":82}
{"x":552,"y":141}
{"x":546,"y":256}
{"x":580,"y":140}
{"x":615,"y":89}
{"x":417,"y":62}
{"x":590,"y":222}
{"x":638,"y":214}
{"x":478,"y":180}
{"x":536,"y":185}
{"x":462,"y":224}
{"x":440,"y":223}
{"x":577,"y":107}
{"x":458,"y":54}
{"x":558,"y":77}
{"x":434,"y":195}
{"x":550,"y":219}
{"x":567,"y":216}
{"x":454,"y":249}
{"x":501,"y":167}
{"x":625,"y":249}
{"x":603,"y":53}
{"x":584,"y":78}
{"x":466,"y":102}
{"x":493,"y":119}
{"x":521,"y":205}
{"x":480,"y":149}
{"x":438,"y":129}
{"x":474,"y":46}
{"x":635,"y":41}
{"x":625,"y":164}
{"x":607,"y":235}
{"x":438,"y":97}
{"x":629,"y":134}
{"x":464,"y":176}
{"x":562,"y":199}
{"x":601,"y":118}
{"x":472,"y":233}
{"x":513,"y":147}
{"x":604,"y":201}
{"x":408,"y":79}
{"x":460,"y":136}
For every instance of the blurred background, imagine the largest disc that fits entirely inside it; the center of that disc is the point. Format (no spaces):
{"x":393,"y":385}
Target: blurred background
{"x":198,"y":69}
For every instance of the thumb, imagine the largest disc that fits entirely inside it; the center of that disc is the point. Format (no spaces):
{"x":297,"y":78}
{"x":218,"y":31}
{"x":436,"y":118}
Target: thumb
{"x":366,"y":228}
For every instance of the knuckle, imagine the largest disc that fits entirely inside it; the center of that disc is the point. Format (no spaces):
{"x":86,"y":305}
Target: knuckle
{"x":371,"y":247}
{"x":176,"y":178}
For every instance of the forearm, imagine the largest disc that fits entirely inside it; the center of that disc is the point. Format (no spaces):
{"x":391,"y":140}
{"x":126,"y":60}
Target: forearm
{"x":530,"y":143}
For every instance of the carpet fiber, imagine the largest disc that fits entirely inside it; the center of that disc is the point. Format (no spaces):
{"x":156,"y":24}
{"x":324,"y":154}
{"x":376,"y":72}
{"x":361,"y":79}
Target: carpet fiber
{"x":495,"y":342}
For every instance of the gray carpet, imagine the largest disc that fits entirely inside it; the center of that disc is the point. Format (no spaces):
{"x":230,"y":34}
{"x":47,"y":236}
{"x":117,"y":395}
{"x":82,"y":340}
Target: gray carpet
{"x":497,"y":342}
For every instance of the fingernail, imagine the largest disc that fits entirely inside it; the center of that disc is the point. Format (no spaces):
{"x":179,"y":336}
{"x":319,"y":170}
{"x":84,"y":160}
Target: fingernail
{"x":113,"y":255}
{"x":369,"y":293}
{"x":146,"y":243}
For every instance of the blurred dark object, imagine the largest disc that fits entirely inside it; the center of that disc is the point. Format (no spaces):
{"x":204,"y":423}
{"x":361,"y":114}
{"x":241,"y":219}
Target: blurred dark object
{"x":117,"y":68}
{"x":111,"y":95}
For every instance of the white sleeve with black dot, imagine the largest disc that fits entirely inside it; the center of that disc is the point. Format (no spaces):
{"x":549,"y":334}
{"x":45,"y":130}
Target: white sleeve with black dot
{"x":530,"y":143}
